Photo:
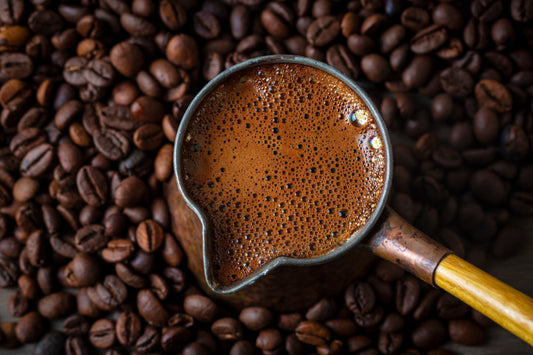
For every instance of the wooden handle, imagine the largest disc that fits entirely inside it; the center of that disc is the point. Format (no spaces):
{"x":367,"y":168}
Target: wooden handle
{"x":506,"y":306}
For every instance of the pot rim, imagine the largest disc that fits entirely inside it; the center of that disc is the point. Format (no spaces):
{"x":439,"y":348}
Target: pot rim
{"x":350,"y":242}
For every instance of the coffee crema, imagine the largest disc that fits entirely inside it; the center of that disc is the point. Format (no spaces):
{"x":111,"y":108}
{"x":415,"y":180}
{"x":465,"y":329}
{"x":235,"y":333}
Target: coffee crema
{"x":284,"y":160}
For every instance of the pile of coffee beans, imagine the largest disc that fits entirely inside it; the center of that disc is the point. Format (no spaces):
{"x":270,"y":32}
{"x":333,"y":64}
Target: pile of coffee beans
{"x":91,"y":95}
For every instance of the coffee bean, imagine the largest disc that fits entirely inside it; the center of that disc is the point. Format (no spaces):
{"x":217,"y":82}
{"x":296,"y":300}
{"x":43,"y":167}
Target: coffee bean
{"x":90,"y":238}
{"x":323,"y":31}
{"x":485,"y":180}
{"x":339,"y":57}
{"x":256,"y":318}
{"x":56,"y":305}
{"x":277,"y":18}
{"x":76,"y":346}
{"x":75,"y":325}
{"x":111,"y":143}
{"x":375,"y":67}
{"x":429,"y":334}
{"x":415,"y":18}
{"x":172,"y":14}
{"x":149,"y":236}
{"x":493,"y":95}
{"x":449,"y":16}
{"x":312,"y":333}
{"x":428,"y":39}
{"x":390,"y":343}
{"x":466,"y":332}
{"x":148,"y":136}
{"x":15,"y":66}
{"x":360,"y":298}
{"x":227,"y":329}
{"x":29,"y":328}
{"x":51,"y":343}
{"x":322,"y":310}
{"x":342,"y":327}
{"x":151,"y":309}
{"x":18,"y":304}
{"x":102,"y":333}
{"x":137,"y":26}
{"x":206,"y":25}
{"x":127,"y":58}
{"x":269,"y":340}
{"x":182,"y":51}
{"x":201,"y":308}
{"x":8,"y":273}
{"x":417,"y":72}
{"x":407,"y":295}
{"x":507,"y":241}
{"x":521,"y":11}
{"x":456,"y":82}
{"x":449,"y":307}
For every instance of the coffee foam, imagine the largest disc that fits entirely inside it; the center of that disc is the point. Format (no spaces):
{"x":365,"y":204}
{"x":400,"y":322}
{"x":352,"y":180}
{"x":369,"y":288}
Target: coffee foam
{"x":285,"y":160}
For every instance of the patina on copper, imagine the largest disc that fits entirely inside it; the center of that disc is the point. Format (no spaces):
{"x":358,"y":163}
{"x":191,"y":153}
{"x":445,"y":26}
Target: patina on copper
{"x":399,"y":242}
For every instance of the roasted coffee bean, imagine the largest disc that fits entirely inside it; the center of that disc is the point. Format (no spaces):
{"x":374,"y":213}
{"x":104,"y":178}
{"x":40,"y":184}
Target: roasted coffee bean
{"x":227,"y":329}
{"x":37,"y":161}
{"x":108,"y":294}
{"x":76,"y":346}
{"x":172,"y":14}
{"x":15,"y":66}
{"x":323,"y":31}
{"x":449,"y":307}
{"x":52,"y":343}
{"x":151,"y":309}
{"x":342,"y":327}
{"x":457,"y":82}
{"x":485,"y":180}
{"x":360,"y":298}
{"x":113,"y":144}
{"x":339,"y":57}
{"x":201,"y":308}
{"x":429,"y":334}
{"x":270,"y":340}
{"x":486,"y":10}
{"x":493,"y":95}
{"x":428,"y":39}
{"x":92,"y":186}
{"x":128,"y":328}
{"x":415,"y":18}
{"x":390,"y":343}
{"x":182,"y":51}
{"x":407,"y":295}
{"x":466,"y":332}
{"x":322,"y":310}
{"x":206,"y":25}
{"x":56,"y":305}
{"x":29,"y":328}
{"x":8,"y":273}
{"x":507,"y":241}
{"x":312,"y":333}
{"x":277,"y":18}
{"x":90,"y":238}
{"x":127,"y":58}
{"x":375,"y":67}
{"x":256,"y":318}
{"x":99,"y":72}
{"x":18,"y":304}
{"x":102,"y":333}
{"x":417,"y":72}
{"x":75,"y":325}
{"x":149,"y":236}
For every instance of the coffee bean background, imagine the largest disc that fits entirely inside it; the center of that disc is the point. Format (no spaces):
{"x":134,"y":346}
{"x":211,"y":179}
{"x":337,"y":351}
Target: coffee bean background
{"x":92,"y":93}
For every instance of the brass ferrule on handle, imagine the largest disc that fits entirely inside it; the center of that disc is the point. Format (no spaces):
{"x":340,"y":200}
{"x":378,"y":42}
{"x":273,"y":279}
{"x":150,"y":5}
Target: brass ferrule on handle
{"x":399,"y":242}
